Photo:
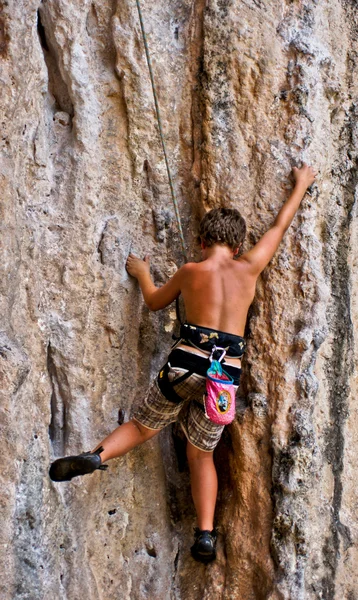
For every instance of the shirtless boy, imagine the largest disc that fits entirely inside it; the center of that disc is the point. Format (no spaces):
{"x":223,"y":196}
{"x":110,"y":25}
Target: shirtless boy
{"x":217,"y":293}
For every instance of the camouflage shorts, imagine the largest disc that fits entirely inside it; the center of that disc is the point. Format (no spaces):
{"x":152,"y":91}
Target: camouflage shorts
{"x":156,"y":411}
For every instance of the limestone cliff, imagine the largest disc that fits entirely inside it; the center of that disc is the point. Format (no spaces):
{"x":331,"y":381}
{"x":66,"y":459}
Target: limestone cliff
{"x":247,"y":89}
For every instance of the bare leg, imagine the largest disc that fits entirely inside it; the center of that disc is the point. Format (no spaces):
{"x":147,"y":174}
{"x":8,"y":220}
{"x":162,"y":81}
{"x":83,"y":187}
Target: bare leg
{"x":124,"y":438}
{"x":204,"y":485}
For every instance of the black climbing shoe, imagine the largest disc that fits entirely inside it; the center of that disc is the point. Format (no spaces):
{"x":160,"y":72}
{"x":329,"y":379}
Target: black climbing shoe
{"x":204,"y":548}
{"x":63,"y":469}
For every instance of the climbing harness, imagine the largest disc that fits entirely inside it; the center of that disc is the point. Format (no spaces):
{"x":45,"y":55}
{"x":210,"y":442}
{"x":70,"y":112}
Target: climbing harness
{"x":203,"y":338}
{"x":219,"y":398}
{"x":159,"y":121}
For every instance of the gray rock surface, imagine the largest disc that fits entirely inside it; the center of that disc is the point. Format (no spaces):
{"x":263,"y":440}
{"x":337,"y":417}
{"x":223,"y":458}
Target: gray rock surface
{"x":247,"y":90}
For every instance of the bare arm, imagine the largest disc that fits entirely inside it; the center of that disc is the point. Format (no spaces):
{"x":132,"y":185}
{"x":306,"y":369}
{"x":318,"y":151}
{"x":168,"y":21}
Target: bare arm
{"x":260,"y":255}
{"x":155,"y":298}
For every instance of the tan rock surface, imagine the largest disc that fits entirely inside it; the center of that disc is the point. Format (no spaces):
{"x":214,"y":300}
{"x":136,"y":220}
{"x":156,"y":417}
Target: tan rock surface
{"x":246,"y":89}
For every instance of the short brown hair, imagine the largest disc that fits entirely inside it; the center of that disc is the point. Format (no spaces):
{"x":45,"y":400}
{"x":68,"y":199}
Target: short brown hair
{"x":222,"y":226}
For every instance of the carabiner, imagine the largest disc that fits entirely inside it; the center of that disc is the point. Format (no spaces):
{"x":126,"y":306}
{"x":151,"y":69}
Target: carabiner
{"x":215,"y":348}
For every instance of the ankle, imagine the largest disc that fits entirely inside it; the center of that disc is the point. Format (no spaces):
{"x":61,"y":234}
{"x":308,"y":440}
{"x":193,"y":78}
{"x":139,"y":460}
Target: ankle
{"x":101,"y":453}
{"x":205,"y":525}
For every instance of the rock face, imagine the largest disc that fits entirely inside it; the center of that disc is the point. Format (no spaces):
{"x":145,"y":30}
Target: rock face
{"x":247,"y":90}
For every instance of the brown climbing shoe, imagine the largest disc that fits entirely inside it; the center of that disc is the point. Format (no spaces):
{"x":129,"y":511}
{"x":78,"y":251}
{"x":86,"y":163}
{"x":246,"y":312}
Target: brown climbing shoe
{"x":64,"y":469}
{"x":204,"y":548}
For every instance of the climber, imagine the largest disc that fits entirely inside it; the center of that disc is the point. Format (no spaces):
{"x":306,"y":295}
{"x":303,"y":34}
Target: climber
{"x":217,"y":293}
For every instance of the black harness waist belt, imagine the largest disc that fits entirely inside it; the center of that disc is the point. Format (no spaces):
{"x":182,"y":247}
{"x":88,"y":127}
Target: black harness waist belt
{"x":204,"y":338}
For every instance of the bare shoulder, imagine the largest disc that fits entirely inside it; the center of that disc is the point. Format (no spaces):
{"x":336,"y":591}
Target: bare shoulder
{"x":185,"y":271}
{"x":190,"y":273}
{"x":187,"y":267}
{"x":190,"y":267}
{"x":245,"y":269}
{"x":242,"y":263}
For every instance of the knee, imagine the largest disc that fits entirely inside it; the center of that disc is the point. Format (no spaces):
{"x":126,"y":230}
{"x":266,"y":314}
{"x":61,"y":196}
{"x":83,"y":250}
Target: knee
{"x":144,"y":432}
{"x":195,"y":454}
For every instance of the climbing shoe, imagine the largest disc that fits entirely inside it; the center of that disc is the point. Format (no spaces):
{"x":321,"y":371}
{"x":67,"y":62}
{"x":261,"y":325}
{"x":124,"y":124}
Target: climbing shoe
{"x":63,"y":469}
{"x":204,"y":548}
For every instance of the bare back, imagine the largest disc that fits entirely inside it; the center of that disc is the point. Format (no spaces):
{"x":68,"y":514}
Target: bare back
{"x":218,"y":292}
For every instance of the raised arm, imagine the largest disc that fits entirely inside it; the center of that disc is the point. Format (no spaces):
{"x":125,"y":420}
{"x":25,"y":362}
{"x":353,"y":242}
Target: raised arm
{"x":260,"y":255}
{"x":155,"y":298}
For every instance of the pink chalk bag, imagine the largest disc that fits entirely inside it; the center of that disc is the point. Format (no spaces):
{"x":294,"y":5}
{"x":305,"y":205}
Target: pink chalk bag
{"x":219,"y":398}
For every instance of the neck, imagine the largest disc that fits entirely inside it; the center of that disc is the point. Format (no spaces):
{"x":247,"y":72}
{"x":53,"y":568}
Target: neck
{"x":218,"y":251}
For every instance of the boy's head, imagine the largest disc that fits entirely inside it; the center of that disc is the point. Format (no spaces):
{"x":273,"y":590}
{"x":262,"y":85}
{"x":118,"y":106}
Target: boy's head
{"x":222,"y":226}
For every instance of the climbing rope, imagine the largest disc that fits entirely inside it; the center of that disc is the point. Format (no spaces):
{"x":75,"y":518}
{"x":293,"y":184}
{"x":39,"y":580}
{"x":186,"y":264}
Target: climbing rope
{"x":159,"y":121}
